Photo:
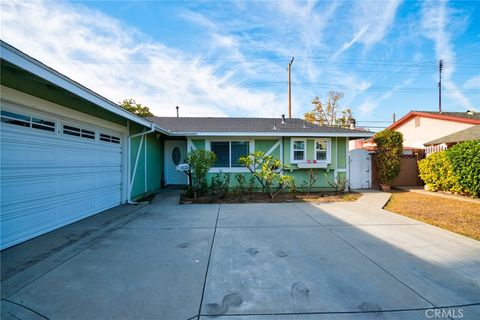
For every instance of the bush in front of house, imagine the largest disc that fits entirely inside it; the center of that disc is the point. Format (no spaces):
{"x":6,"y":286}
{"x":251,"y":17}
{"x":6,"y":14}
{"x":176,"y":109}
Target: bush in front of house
{"x":455,"y":170}
{"x":389,"y":150}
{"x":265,"y":169}
{"x":200,"y":162}
{"x":437,"y":173}
{"x":465,"y":160}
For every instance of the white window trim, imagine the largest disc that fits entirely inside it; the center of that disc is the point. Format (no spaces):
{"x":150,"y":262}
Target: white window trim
{"x":292,"y":142}
{"x":251,"y":148}
{"x":329,"y":149}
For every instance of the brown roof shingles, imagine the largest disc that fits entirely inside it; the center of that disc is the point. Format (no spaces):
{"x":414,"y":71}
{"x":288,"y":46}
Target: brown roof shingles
{"x":251,"y":125}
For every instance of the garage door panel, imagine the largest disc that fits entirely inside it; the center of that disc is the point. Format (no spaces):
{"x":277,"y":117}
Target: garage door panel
{"x":16,"y":208}
{"x":23,"y":154}
{"x":78,"y":157}
{"x":17,"y":191}
{"x":107,"y":158}
{"x":20,"y":227}
{"x":50,"y":179}
{"x":25,"y":188}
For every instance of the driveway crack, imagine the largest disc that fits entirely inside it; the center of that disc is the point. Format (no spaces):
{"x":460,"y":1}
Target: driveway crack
{"x":208,"y":263}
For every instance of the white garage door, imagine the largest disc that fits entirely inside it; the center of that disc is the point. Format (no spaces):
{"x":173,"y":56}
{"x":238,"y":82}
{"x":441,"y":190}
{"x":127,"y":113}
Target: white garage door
{"x":54,"y":172}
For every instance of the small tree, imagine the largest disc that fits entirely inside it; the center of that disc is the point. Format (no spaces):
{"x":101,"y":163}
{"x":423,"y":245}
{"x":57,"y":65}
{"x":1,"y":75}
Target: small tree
{"x":312,"y":178}
{"x":200,"y":162}
{"x":389,"y":150}
{"x":265,"y":170}
{"x":134,"y":107}
{"x":330,"y":113}
{"x":338,"y":183}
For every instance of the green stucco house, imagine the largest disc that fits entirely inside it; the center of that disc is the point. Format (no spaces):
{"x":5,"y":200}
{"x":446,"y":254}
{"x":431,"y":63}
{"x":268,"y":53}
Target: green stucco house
{"x":298,"y":145}
{"x":68,"y":153}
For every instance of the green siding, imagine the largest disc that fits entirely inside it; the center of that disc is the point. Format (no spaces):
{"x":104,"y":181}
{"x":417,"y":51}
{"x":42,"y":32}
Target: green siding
{"x":337,"y":157}
{"x":199,"y":144}
{"x":342,"y":153}
{"x":154,"y":162}
{"x":265,"y":145}
{"x":310,"y":149}
{"x":286,"y":152}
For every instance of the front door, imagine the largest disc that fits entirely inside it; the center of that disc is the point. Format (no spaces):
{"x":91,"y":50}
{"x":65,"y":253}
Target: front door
{"x":175,"y":153}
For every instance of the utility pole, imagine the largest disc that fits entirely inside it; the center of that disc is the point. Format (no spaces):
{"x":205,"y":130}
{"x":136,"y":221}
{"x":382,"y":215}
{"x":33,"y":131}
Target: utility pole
{"x":290,"y":88}
{"x":440,"y":68}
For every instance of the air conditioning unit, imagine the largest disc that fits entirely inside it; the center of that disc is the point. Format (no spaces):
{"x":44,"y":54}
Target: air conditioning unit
{"x":183,"y":167}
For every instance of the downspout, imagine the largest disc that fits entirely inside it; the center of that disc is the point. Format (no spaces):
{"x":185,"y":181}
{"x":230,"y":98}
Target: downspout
{"x":143,"y":140}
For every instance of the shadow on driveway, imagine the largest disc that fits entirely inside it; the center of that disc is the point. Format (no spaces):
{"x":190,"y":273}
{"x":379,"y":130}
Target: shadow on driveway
{"x":257,"y":261}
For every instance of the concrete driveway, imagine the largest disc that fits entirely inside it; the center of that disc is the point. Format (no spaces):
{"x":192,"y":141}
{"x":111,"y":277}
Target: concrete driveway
{"x":246,"y":261}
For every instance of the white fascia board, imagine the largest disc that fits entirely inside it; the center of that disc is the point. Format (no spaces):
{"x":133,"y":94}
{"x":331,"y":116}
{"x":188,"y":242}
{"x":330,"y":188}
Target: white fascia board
{"x":277,"y":134}
{"x":37,"y":68}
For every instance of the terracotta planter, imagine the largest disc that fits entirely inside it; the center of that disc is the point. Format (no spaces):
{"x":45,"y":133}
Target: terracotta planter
{"x":384,"y":187}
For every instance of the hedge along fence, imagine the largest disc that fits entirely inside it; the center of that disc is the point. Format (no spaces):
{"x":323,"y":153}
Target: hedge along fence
{"x":456,"y":169}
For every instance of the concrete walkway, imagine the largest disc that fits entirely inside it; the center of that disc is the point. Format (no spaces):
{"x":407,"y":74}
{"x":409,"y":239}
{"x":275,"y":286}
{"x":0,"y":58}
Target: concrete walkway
{"x":249,"y":261}
{"x":373,"y":198}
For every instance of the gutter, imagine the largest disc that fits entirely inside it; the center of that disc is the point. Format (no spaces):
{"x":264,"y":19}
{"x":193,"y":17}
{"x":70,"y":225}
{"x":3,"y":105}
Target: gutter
{"x":131,"y":179}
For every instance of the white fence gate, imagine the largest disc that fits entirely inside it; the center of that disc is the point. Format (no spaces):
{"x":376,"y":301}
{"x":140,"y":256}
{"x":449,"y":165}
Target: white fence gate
{"x":360,"y":169}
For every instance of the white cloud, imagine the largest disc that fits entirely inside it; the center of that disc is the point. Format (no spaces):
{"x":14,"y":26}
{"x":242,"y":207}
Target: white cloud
{"x":436,"y":19}
{"x":350,"y":43}
{"x":377,"y":17}
{"x":118,"y":61}
{"x":370,"y":104}
{"x":472,"y":83}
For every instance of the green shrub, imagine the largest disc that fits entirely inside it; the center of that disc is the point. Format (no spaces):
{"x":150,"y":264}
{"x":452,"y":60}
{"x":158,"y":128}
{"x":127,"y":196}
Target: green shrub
{"x":389,"y":150}
{"x":200,"y":162}
{"x":266,"y":170}
{"x":219,"y":186}
{"x":437,"y":173}
{"x":456,"y":169}
{"x":465,"y":162}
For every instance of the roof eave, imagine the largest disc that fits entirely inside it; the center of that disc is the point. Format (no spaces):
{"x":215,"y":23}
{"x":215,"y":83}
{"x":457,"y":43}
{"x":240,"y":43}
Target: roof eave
{"x":433,"y":116}
{"x":24,"y":61}
{"x":276,"y":134}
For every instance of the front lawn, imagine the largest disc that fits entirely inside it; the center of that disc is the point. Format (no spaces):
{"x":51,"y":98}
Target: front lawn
{"x":257,"y":197}
{"x":455,"y":215}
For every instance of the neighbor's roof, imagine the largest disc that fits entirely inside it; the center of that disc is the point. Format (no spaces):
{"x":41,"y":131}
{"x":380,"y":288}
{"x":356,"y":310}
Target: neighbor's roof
{"x":472,"y":117}
{"x":472,"y":133}
{"x":251,"y":126}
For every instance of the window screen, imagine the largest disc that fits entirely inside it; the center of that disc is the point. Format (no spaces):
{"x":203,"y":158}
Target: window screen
{"x":239,"y":149}
{"x":222,"y":152}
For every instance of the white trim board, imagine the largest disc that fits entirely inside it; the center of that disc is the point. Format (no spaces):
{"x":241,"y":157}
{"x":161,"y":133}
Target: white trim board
{"x":273,"y":134}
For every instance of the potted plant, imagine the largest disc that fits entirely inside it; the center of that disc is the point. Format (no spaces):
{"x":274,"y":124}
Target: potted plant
{"x":389,"y":150}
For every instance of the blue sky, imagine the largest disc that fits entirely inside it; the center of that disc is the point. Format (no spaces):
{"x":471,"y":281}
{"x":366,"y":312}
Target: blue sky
{"x":222,"y":58}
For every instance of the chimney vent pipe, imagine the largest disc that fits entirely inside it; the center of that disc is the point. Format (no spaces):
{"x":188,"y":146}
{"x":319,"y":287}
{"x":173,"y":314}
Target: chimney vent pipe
{"x":177,"y":107}
{"x":283,"y":118}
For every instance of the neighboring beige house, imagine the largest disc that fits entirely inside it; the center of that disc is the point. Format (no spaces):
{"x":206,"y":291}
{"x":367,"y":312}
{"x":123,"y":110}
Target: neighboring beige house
{"x":443,"y":143}
{"x":420,"y":127}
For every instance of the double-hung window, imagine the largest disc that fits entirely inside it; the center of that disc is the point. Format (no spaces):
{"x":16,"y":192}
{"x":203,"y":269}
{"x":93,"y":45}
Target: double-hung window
{"x":228,"y":153}
{"x":299,"y":150}
{"x":322,"y":150}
